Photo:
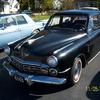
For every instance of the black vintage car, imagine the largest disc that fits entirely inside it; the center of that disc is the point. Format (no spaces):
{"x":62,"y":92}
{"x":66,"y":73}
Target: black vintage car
{"x":56,"y":55}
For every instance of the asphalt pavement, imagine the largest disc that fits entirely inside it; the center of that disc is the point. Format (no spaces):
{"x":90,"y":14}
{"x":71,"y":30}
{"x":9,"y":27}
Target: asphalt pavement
{"x":88,"y":87}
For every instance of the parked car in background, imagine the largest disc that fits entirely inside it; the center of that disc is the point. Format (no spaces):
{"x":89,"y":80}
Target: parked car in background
{"x":27,"y":12}
{"x":89,"y":8}
{"x":14,"y":27}
{"x":56,"y":55}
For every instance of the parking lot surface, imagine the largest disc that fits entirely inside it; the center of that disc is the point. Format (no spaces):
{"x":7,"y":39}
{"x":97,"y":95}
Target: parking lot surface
{"x":88,"y":87}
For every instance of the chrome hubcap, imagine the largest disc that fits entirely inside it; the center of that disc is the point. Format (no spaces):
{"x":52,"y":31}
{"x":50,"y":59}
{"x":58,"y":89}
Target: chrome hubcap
{"x":77,"y":70}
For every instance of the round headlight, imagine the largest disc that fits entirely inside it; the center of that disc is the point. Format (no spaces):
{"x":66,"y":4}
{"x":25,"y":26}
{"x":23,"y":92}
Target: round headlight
{"x":52,"y":61}
{"x":7,"y":50}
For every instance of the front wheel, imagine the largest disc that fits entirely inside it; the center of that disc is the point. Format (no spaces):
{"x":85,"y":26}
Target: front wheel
{"x":76,"y":70}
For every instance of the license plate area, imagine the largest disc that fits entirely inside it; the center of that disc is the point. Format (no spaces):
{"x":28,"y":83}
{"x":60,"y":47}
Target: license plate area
{"x":19,"y":78}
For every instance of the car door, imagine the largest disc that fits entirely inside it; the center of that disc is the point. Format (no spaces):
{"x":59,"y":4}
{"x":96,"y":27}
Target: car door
{"x":9,"y":31}
{"x":95,"y":34}
{"x":96,"y":29}
{"x":24,"y":26}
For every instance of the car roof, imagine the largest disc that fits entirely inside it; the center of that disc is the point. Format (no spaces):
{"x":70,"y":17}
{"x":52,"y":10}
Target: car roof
{"x":3,"y":15}
{"x":80,"y":12}
{"x":88,"y":8}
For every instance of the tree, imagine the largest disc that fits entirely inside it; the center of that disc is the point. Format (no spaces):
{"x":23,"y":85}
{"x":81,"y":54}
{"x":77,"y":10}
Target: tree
{"x":46,"y":5}
{"x":1,"y":6}
{"x":27,"y":4}
{"x":23,"y":4}
{"x":67,"y":4}
{"x":31,"y":4}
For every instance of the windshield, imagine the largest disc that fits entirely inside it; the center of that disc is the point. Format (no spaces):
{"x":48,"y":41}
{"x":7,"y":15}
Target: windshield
{"x":71,"y":22}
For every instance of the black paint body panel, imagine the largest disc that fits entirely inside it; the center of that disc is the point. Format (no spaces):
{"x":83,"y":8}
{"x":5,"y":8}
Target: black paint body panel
{"x":64,"y":44}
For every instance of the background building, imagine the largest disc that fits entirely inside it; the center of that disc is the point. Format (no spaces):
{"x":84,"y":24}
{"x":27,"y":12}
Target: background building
{"x":9,"y":6}
{"x":87,"y":3}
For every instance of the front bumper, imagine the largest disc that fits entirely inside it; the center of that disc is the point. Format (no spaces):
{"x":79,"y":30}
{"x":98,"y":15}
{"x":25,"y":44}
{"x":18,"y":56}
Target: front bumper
{"x":30,"y":79}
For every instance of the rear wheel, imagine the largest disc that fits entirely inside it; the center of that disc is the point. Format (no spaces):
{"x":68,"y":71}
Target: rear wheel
{"x":76,"y":70}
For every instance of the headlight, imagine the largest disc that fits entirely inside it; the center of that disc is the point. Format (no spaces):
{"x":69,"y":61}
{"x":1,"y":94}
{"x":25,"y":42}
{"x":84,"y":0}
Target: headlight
{"x":7,"y":50}
{"x":52,"y":61}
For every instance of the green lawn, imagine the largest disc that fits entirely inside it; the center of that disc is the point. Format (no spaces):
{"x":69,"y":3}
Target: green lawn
{"x":40,"y":17}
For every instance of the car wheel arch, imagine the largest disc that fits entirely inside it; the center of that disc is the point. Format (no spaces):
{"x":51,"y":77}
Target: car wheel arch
{"x":75,"y":70}
{"x":83,"y":58}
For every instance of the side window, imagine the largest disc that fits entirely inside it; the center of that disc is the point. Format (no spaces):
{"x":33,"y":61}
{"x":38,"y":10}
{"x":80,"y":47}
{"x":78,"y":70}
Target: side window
{"x":66,"y":19}
{"x":55,"y":21}
{"x":96,"y":22}
{"x":21,"y":20}
{"x":9,"y":22}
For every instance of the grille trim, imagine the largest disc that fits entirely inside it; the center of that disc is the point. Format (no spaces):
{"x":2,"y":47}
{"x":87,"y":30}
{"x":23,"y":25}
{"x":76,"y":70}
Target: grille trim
{"x":27,"y":66}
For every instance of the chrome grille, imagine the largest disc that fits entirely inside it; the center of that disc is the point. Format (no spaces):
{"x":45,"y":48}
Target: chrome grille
{"x":28,"y":67}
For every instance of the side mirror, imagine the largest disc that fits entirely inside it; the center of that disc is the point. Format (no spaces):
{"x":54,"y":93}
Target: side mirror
{"x":43,"y":24}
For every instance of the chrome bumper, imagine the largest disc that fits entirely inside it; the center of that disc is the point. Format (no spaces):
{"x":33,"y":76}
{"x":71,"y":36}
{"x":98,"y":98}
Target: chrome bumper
{"x":30,"y":79}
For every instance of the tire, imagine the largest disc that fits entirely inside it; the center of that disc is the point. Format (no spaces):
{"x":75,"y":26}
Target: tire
{"x":76,"y":71}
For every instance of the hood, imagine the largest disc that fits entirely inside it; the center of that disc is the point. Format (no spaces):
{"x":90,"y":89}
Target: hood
{"x":49,"y":41}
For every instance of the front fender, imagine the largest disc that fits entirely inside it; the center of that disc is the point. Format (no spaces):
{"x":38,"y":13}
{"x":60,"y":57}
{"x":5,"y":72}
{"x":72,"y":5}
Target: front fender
{"x":67,"y":55}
